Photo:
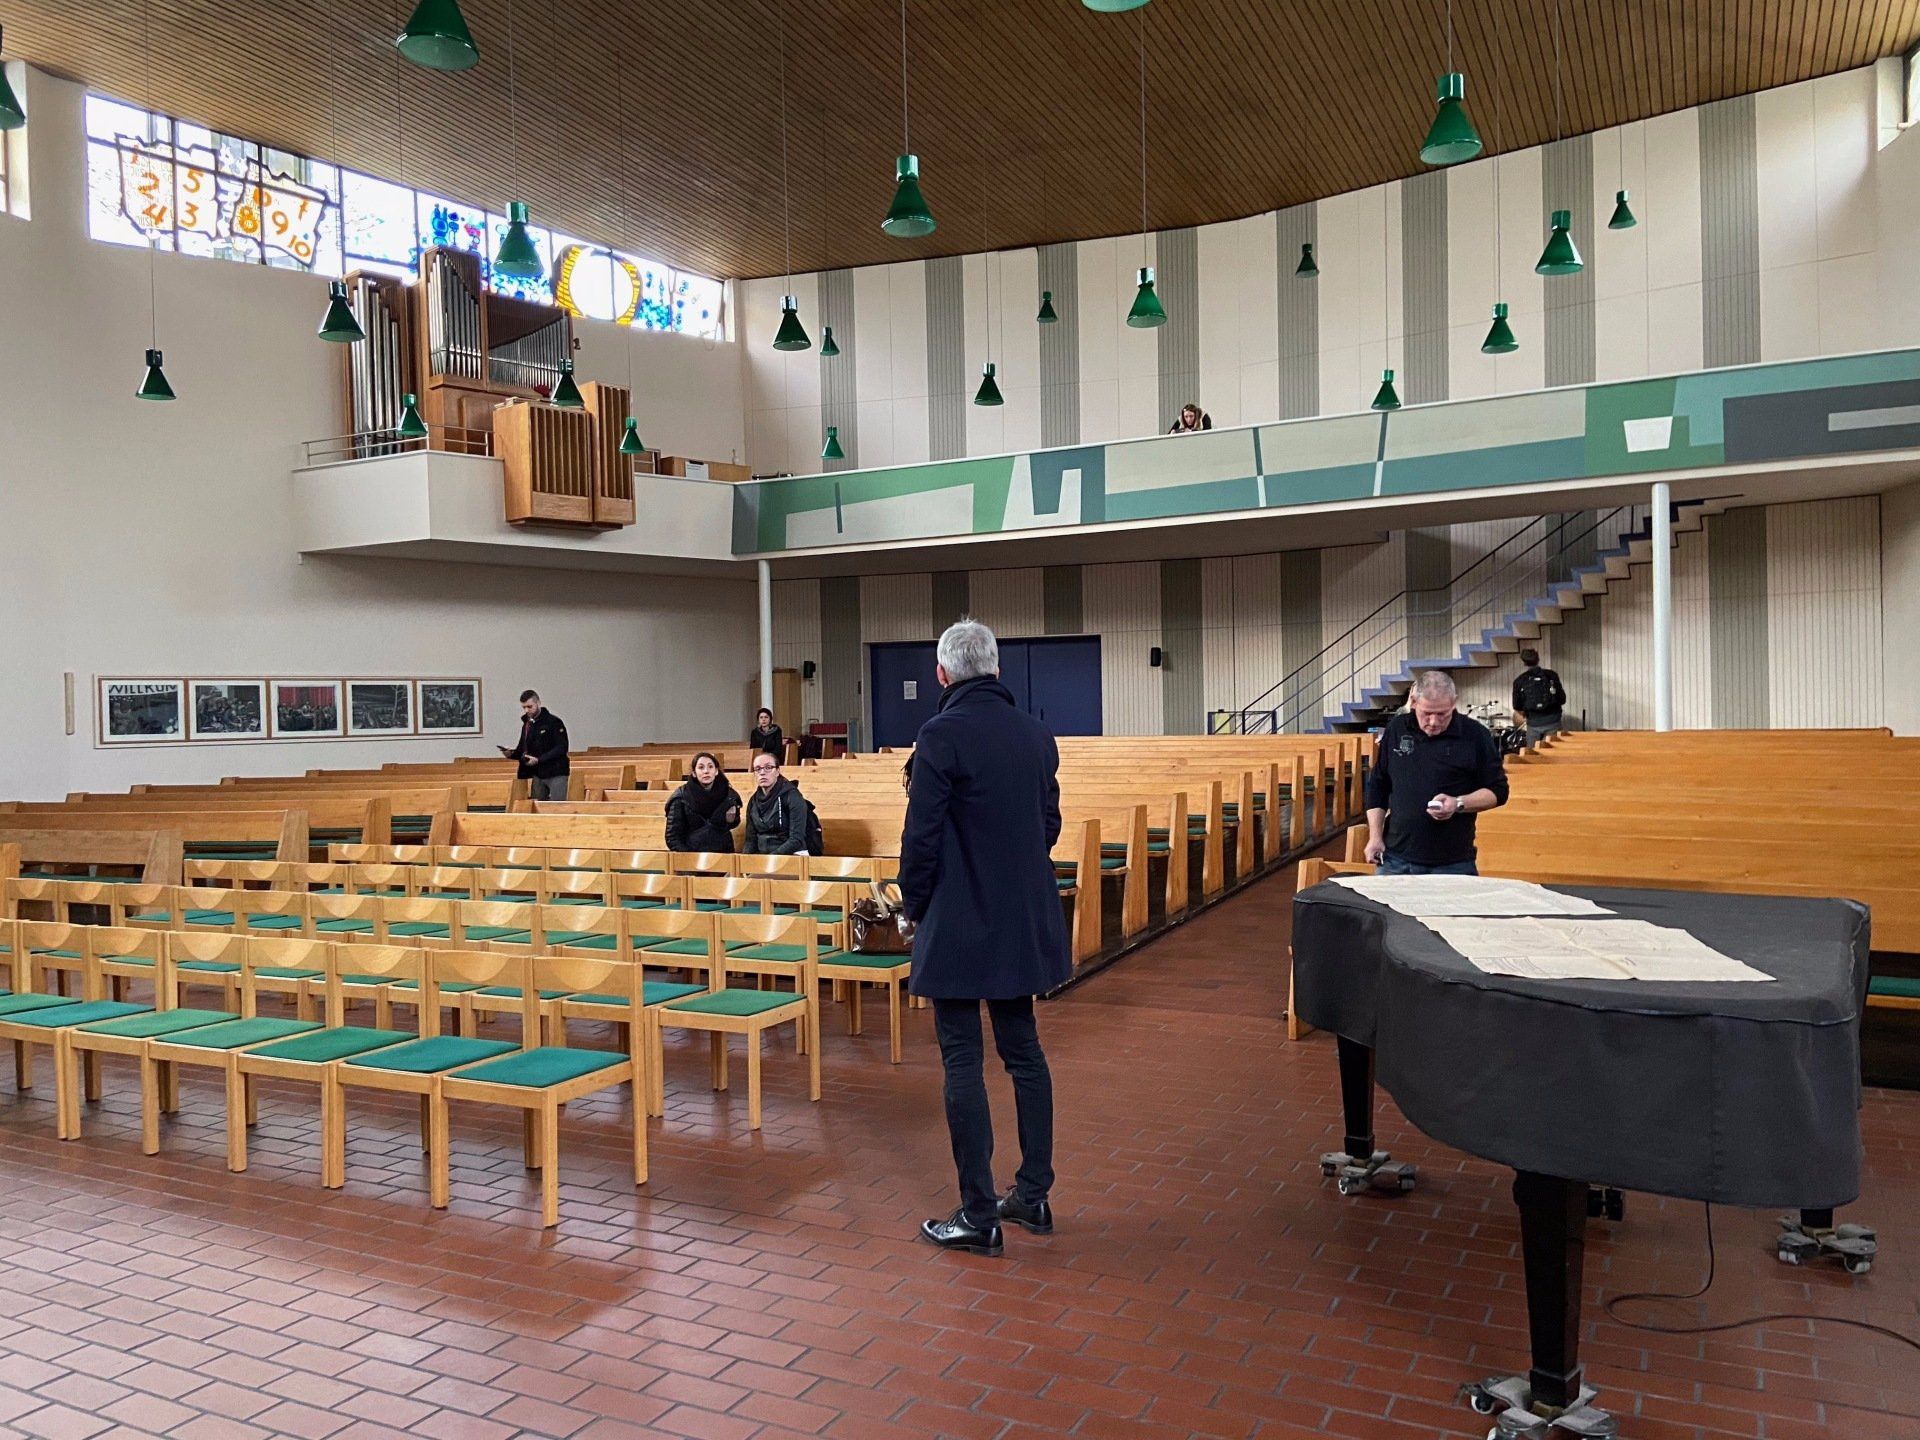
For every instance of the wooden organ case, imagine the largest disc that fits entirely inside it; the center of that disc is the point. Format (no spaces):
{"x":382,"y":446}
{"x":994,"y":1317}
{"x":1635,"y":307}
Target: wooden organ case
{"x":482,"y":366}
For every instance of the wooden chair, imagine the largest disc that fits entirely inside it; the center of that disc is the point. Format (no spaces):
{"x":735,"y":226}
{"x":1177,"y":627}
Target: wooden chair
{"x":771,"y":867}
{"x":583,"y":887}
{"x":391,"y":881}
{"x":774,"y":944}
{"x":53,"y":951}
{"x":463,"y":857}
{"x":640,"y":862}
{"x":731,"y":895}
{"x":704,"y":863}
{"x":827,"y":901}
{"x":680,"y":940}
{"x":843,"y":867}
{"x":539,"y":1079}
{"x":286,"y":966}
{"x":647,"y":891}
{"x":487,"y":923}
{"x":31,"y":1012}
{"x":348,"y":918}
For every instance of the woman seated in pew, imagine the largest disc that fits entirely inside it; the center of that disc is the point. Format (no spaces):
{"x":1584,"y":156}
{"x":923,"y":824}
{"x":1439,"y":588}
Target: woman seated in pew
{"x":701,"y":814}
{"x":780,"y":820}
{"x":766,"y":738}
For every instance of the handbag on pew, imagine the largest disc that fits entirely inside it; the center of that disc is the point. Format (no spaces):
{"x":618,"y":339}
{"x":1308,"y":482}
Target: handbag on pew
{"x":878,"y":924}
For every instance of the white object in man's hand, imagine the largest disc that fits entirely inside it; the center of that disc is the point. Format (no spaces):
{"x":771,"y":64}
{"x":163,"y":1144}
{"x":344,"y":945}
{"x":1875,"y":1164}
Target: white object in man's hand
{"x":1443,"y":807}
{"x":1374,"y":851}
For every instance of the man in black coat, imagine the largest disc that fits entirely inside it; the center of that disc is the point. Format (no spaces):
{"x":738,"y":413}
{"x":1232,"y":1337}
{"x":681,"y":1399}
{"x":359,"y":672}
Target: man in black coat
{"x":542,"y":751}
{"x":976,"y":877}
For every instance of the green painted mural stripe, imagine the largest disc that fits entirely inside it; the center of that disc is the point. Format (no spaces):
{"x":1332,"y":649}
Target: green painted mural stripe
{"x":1534,"y":464}
{"x":1207,"y":498}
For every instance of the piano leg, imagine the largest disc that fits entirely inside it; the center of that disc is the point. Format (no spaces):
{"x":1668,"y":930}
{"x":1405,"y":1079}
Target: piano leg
{"x":1360,"y":1165}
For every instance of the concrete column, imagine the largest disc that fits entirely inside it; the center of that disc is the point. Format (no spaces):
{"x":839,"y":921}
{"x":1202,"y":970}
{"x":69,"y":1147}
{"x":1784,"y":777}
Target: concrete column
{"x":766,"y":636}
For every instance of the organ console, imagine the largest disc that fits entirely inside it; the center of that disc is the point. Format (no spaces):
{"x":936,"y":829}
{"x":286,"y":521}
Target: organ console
{"x":469,"y":354}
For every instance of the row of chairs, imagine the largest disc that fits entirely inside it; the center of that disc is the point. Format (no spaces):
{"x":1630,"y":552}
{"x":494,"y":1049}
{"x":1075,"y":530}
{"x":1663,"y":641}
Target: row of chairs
{"x":645,"y":862}
{"x":536,"y":1075}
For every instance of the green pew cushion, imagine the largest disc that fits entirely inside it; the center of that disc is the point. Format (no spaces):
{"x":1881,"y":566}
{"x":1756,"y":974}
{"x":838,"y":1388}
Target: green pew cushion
{"x":1903,"y":986}
{"x":853,"y":959}
{"x":497,"y":932}
{"x":583,"y":939}
{"x":273,"y":922}
{"x":432,"y":1055}
{"x":725,"y":909}
{"x":642,"y":902}
{"x":660,"y":945}
{"x":322,"y":1046}
{"x":81,"y":1014}
{"x":57,"y":954}
{"x":211,"y":967}
{"x":542,"y":1067}
{"x":775,"y":954}
{"x":731,"y":1002}
{"x":653,"y":992}
{"x":513,"y":992}
{"x":153,"y":917}
{"x":286,"y":972}
{"x":13,"y":1006}
{"x":344,"y":927}
{"x":237,"y":1033}
{"x":414,"y":929}
{"x":126,"y":960}
{"x":159,"y":1022}
{"x":447,"y":987}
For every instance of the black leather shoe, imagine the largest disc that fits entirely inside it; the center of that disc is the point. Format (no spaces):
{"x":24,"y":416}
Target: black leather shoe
{"x":956,"y":1232}
{"x":1035,"y":1219}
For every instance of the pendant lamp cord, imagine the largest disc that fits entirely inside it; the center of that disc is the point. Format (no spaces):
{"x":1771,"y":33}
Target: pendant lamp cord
{"x":513,"y":100}
{"x":786,"y":193}
{"x":1558,"y":129}
{"x":1449,"y":37}
{"x":1143,"y":128}
{"x":1499,"y":95}
{"x":906,"y":129}
{"x":613,"y":262}
{"x":399,"y":128}
{"x":153,"y":236}
{"x":986,"y":257}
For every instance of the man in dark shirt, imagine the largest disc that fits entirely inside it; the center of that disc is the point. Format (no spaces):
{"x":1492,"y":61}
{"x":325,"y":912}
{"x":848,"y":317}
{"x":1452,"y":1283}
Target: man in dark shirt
{"x":1538,"y":698}
{"x":542,"y":751}
{"x":1435,"y":769}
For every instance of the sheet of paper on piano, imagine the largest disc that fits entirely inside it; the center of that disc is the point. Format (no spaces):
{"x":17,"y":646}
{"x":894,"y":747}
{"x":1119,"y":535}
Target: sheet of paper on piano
{"x":1423,"y":895}
{"x":1564,"y":948}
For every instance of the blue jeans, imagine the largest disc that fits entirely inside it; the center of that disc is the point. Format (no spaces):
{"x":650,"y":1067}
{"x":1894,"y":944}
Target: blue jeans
{"x":1392,"y":864}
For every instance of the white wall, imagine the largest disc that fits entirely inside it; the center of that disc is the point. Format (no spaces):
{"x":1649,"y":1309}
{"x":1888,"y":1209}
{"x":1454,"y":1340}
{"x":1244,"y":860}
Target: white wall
{"x":144,"y":539}
{"x":1900,"y":604}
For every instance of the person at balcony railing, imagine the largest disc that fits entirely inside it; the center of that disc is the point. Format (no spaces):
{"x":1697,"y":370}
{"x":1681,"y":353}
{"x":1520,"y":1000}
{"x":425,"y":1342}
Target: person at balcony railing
{"x":1434,"y":771}
{"x":1192,"y":418}
{"x":1538,"y":699}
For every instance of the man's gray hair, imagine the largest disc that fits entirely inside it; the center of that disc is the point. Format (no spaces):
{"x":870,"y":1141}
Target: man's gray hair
{"x":1433,"y":685}
{"x":967,"y":651}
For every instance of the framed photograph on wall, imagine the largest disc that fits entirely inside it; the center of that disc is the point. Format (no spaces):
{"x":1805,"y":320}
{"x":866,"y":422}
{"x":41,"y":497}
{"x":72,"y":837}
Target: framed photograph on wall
{"x":306,"y":710}
{"x":379,"y":707}
{"x":227,"y":709}
{"x":141,"y":712}
{"x":449,"y":707}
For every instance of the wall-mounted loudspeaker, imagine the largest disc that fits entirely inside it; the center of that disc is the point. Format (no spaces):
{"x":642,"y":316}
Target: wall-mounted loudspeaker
{"x":1155,"y":657}
{"x":808,"y":669}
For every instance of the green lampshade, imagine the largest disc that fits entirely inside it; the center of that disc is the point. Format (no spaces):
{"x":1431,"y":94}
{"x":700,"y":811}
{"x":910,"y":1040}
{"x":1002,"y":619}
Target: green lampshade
{"x":1306,"y":269}
{"x":1048,"y":315}
{"x":339,"y":326}
{"x":518,"y":257}
{"x":989,"y":391}
{"x":13,"y":114}
{"x":827,"y":345}
{"x":1386,"y":397}
{"x":155,"y":386}
{"x":566,"y":394}
{"x":1112,"y":7}
{"x":1451,"y":138}
{"x":437,"y":37}
{"x":1147,"y":310}
{"x":1499,"y":339}
{"x":1622,"y":213}
{"x":412,"y":427}
{"x":831,"y":450}
{"x":908,"y":216}
{"x":1561,"y":257}
{"x":791,"y":335}
{"x":631,"y":443}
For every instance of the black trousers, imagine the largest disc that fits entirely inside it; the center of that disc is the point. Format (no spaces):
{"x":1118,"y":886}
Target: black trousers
{"x":970,"y":1123}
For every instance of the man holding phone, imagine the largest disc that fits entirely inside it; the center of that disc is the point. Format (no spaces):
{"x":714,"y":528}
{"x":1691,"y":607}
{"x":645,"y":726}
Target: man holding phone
{"x":1434,"y":771}
{"x":542,"y":751}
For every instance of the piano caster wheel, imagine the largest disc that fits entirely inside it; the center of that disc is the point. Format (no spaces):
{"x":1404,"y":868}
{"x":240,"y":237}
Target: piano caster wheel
{"x":1605,"y":1201}
{"x":1510,"y":1401}
{"x":1854,"y":1246}
{"x":1480,"y":1399}
{"x":1379,"y":1171}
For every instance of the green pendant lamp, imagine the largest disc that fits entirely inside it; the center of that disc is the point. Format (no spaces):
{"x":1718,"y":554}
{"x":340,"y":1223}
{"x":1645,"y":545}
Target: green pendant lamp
{"x":412,"y":427}
{"x":791,"y":335}
{"x":831,"y":450}
{"x":908,"y":217}
{"x":566,"y":394}
{"x":1386,"y":397}
{"x":13,"y":114}
{"x":1451,"y":138}
{"x":1561,"y":257}
{"x":631,"y":443}
{"x":1048,"y":315}
{"x":518,"y":257}
{"x":827,"y":345}
{"x":1623,"y":218}
{"x":1499,"y":339}
{"x":339,"y":326}
{"x":155,"y":386}
{"x":989,"y":391}
{"x":1147,"y":311}
{"x":1307,"y":269}
{"x":437,"y":37}
{"x":1112,"y":7}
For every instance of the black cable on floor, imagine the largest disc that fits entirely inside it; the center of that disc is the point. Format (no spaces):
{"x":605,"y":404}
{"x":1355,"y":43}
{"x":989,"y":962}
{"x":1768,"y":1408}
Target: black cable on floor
{"x":1712,"y":1265}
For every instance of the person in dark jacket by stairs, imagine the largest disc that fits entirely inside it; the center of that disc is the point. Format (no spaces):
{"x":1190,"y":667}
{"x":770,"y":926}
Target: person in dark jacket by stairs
{"x":701,"y":814}
{"x":777,"y":813}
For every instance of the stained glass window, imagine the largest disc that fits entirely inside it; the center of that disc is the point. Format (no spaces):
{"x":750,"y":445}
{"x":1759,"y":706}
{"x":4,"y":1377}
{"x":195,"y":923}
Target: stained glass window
{"x":153,"y":180}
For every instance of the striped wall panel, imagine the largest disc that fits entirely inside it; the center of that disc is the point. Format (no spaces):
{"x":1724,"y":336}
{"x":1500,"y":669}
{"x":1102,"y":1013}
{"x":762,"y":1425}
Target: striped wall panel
{"x":1823,"y":613}
{"x":947,"y":388}
{"x":1010,"y":603}
{"x":1123,"y":609}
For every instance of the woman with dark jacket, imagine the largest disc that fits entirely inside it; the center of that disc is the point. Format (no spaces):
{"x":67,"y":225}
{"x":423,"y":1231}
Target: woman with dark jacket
{"x":766,"y":738}
{"x":777,"y":813}
{"x":701,"y":814}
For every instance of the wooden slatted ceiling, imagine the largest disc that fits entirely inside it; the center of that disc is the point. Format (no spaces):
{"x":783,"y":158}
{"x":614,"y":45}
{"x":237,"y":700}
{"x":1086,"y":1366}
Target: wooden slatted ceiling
{"x":1025,"y":112}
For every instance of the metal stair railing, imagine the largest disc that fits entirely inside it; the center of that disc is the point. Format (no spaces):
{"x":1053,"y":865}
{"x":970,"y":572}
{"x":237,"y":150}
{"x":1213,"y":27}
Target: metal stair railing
{"x":1506,"y":581}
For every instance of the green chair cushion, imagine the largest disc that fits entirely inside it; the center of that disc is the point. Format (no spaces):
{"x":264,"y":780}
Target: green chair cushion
{"x":433,"y":1055}
{"x":126,"y":960}
{"x":1906,"y":987}
{"x":653,"y":992}
{"x":57,"y":954}
{"x":344,"y":927}
{"x":238,"y":1033}
{"x":583,"y":939}
{"x":13,"y":1005}
{"x":318,"y":1047}
{"x":853,"y":959}
{"x":660,"y":945}
{"x":1110,"y":863}
{"x":52,"y":1018}
{"x":413,"y":929}
{"x":722,"y":907}
{"x":513,"y":992}
{"x":273,"y":922}
{"x":543,"y":1067}
{"x":776,"y":954}
{"x":221,"y":918}
{"x":287,"y":972}
{"x":497,"y":932}
{"x":642,"y":902}
{"x":211,"y":967}
{"x":731,"y":1002}
{"x":153,"y":917}
{"x":447,"y":987}
{"x":159,"y":1022}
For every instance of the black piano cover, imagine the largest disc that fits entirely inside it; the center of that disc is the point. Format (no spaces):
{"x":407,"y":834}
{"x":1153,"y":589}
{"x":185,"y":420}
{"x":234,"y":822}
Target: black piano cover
{"x":1742,"y":1093}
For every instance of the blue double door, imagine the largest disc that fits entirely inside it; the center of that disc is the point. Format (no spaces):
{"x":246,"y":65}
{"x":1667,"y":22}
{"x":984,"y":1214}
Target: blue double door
{"x":1055,"y":680}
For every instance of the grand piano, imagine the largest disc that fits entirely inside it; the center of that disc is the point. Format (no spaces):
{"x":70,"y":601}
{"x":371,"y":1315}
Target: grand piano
{"x":1735,"y":1093}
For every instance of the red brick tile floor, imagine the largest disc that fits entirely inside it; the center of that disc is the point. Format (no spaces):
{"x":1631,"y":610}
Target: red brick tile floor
{"x":1203,"y":1280}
